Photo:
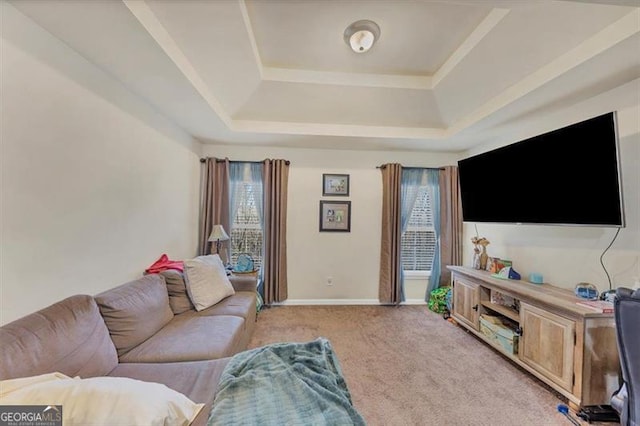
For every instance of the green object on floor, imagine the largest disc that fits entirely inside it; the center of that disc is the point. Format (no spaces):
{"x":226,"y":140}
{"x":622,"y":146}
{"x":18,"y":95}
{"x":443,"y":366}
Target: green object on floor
{"x":438,"y":300}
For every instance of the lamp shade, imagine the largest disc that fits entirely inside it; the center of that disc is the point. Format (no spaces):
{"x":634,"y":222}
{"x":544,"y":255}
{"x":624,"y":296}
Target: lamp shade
{"x":218,"y":234}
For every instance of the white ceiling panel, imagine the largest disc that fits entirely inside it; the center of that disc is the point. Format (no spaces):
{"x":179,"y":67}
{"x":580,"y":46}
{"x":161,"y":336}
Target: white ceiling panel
{"x":416,"y":37}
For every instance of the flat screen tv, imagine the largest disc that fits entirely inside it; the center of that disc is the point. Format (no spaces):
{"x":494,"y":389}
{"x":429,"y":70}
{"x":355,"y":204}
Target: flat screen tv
{"x":569,"y":176}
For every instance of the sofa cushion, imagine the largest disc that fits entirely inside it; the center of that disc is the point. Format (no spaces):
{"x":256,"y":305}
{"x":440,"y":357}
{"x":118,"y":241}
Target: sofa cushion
{"x":177,"y":289}
{"x":190,"y":337}
{"x":241,"y":304}
{"x":198,"y":380}
{"x":207,"y":281}
{"x":69,"y":336}
{"x":135,"y":311}
{"x":104,"y":401}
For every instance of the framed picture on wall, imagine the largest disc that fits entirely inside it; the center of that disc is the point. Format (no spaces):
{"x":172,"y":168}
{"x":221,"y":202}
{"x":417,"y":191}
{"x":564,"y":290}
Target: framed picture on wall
{"x":335,"y":216}
{"x":335,"y":185}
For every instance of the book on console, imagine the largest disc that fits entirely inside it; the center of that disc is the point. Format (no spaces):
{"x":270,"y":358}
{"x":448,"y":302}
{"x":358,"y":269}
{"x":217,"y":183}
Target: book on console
{"x":597,"y":305}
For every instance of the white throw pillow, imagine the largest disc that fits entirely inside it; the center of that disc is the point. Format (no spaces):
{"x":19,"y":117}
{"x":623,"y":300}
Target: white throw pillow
{"x":98,"y":401}
{"x":207,"y":281}
{"x":211,"y":259}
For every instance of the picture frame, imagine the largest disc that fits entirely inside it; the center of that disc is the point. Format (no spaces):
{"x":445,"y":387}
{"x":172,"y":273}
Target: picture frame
{"x":335,"y":185}
{"x":335,"y":216}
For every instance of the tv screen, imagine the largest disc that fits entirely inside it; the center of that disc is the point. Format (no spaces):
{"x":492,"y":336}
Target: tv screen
{"x":569,"y":176}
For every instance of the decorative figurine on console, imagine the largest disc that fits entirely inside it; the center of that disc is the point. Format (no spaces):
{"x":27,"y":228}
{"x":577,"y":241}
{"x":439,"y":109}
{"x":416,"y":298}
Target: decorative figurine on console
{"x":480,"y":258}
{"x":476,"y":257}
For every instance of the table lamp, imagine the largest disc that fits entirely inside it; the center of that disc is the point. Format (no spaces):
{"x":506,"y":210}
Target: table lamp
{"x":218,"y":234}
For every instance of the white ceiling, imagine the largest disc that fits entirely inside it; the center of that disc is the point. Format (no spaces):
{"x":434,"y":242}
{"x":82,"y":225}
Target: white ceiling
{"x":445,"y":75}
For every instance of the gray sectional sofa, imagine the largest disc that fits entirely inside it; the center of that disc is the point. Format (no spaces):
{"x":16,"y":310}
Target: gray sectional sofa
{"x":134,"y":331}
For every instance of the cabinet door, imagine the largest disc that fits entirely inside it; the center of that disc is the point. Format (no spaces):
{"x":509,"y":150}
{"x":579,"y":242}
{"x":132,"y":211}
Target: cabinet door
{"x":465,"y":302}
{"x":547,"y":344}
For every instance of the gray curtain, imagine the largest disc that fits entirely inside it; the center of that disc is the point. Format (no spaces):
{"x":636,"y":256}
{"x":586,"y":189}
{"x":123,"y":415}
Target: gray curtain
{"x":390,"y":285}
{"x":274,"y":264}
{"x":236,"y":178}
{"x":450,"y":222}
{"x":256,"y":180}
{"x":433,"y":186}
{"x":214,"y":201}
{"x":411,"y":180}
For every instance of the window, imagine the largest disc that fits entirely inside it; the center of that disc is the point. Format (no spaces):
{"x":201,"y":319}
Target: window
{"x":246,"y":231}
{"x":419,"y":239}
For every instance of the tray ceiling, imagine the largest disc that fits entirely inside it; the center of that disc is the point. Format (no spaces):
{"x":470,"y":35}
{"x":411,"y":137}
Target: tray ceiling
{"x":444,"y":75}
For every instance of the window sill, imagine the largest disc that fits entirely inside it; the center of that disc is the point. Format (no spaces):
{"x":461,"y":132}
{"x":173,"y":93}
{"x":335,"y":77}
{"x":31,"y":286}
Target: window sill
{"x":417,"y":275}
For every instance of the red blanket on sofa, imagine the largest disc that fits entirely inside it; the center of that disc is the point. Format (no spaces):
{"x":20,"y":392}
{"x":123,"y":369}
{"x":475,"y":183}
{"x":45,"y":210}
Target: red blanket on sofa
{"x":163,"y":264}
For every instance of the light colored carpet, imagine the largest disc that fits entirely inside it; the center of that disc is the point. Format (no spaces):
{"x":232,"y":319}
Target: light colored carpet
{"x":408,"y":366}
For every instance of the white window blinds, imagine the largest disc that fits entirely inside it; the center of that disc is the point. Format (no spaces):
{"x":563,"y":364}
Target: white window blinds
{"x":419,"y":240}
{"x":246,"y":232}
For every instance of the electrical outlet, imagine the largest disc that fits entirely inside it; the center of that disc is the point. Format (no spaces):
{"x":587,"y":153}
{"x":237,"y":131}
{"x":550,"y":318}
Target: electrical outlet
{"x":329,"y":280}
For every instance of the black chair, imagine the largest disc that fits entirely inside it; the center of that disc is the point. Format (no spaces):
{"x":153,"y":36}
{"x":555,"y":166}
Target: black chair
{"x":626,"y":401}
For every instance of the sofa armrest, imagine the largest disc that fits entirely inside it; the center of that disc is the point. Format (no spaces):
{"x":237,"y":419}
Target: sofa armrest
{"x":244,"y":282}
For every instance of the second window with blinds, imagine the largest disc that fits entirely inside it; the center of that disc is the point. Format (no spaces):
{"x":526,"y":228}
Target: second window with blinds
{"x":246,"y":211}
{"x":419,"y":239}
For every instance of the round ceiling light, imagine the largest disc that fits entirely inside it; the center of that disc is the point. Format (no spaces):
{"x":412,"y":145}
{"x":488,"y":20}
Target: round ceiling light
{"x":361,"y":35}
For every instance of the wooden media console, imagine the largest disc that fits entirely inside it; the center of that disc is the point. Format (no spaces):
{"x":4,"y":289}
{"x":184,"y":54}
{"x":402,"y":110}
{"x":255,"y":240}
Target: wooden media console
{"x":571,"y":348}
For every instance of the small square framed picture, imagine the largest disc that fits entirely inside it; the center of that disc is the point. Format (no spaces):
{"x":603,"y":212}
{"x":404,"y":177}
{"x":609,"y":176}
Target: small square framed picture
{"x":335,"y":216}
{"x":335,"y":185}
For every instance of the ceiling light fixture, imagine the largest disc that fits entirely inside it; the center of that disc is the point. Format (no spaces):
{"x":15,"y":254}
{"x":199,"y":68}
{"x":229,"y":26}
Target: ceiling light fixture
{"x":361,"y":35}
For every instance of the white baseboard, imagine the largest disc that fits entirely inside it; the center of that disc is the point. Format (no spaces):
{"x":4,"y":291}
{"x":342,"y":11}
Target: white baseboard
{"x":299,"y":302}
{"x":311,"y":302}
{"x":414,"y":302}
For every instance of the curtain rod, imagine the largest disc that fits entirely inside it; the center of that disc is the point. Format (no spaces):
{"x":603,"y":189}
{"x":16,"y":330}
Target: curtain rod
{"x":220,"y":160}
{"x":414,"y":168}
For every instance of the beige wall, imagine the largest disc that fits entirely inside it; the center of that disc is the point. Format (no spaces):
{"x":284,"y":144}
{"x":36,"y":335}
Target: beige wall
{"x":564,"y":255}
{"x":95,"y":185}
{"x":351,"y":259}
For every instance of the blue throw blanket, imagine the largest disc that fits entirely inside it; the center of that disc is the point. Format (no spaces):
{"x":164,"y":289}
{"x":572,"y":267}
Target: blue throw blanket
{"x":284,"y":384}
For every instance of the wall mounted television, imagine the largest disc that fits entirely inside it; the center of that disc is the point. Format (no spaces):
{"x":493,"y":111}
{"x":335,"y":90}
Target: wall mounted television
{"x":569,"y":176}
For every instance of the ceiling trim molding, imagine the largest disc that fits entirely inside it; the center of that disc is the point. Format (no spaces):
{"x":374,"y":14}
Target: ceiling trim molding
{"x":156,"y":30}
{"x":488,"y":23}
{"x":632,"y":3}
{"x":289,"y":75}
{"x":252,"y":38}
{"x":322,"y":129}
{"x":620,"y":30}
